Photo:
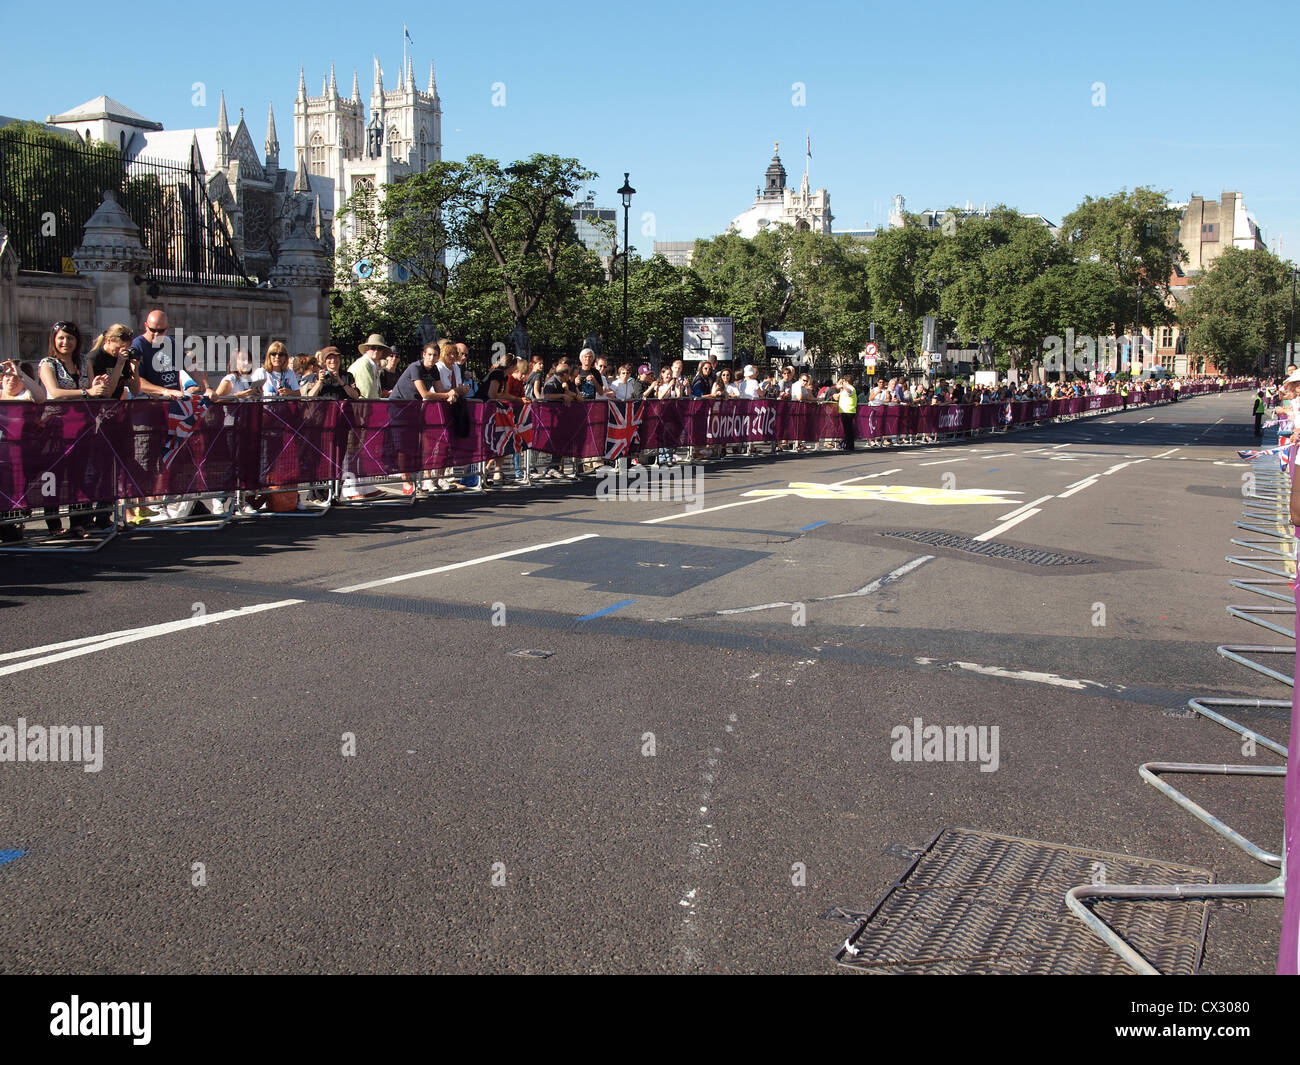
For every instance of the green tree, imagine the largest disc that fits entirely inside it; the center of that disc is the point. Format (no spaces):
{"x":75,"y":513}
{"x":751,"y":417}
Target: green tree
{"x":49,"y":187}
{"x":516,"y":223}
{"x":789,"y":279}
{"x":1135,"y":235}
{"x":1239,"y":310}
{"x":898,"y":264}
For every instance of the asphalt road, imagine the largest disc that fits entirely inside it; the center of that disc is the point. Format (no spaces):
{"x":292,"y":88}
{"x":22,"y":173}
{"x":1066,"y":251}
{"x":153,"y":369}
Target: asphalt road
{"x":715,"y":707}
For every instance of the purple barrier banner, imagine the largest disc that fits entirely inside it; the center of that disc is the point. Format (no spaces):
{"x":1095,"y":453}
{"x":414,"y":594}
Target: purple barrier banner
{"x":93,"y":450}
{"x":1288,"y":951}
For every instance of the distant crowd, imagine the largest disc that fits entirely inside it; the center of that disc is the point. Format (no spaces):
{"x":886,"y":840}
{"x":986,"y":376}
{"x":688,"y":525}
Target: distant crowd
{"x":119,"y":365}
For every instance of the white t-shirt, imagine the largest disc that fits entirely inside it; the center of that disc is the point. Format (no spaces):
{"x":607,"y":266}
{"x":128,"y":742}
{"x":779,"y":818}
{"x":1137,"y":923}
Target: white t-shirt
{"x":799,"y":392}
{"x":239,"y":382}
{"x":625,"y":390}
{"x":449,"y":376}
{"x":749,"y":389}
{"x":272,"y":380}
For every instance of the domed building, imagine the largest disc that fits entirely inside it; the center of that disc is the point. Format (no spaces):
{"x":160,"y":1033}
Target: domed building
{"x":775,"y":203}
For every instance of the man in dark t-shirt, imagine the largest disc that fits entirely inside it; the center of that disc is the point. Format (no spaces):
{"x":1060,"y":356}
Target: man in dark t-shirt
{"x":159,"y":366}
{"x":588,"y":380}
{"x":389,"y":374}
{"x":419,"y":380}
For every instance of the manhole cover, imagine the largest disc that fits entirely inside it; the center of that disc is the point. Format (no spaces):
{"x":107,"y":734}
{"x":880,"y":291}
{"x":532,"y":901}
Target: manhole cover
{"x":524,"y":652}
{"x":1029,"y":555}
{"x":974,"y":902}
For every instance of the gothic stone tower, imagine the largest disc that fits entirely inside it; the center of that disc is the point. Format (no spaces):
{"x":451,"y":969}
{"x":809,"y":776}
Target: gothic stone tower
{"x":403,"y":134}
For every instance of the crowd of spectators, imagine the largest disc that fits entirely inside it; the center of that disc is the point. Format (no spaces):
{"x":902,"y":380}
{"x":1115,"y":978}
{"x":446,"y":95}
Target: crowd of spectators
{"x":120,"y":365}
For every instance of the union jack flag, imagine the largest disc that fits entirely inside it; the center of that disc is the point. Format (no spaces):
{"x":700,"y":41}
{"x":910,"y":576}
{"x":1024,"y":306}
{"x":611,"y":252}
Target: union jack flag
{"x":1258,"y":453}
{"x":183,"y":417}
{"x":622,"y":428}
{"x":508,"y":429}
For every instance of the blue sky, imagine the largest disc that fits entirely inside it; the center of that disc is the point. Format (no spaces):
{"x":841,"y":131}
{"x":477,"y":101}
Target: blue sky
{"x":943,"y":102}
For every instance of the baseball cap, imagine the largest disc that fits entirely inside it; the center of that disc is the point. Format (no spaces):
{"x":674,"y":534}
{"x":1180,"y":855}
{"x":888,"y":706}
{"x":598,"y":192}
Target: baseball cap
{"x":749,"y":371}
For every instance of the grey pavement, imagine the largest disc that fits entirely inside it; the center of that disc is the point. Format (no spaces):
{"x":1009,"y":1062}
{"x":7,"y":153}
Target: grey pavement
{"x":642,"y":798}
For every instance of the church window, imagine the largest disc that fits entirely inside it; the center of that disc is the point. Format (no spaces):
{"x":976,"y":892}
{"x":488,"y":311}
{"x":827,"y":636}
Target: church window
{"x":363,"y":192}
{"x":394,"y":144}
{"x":316,"y":155}
{"x":424,"y":151}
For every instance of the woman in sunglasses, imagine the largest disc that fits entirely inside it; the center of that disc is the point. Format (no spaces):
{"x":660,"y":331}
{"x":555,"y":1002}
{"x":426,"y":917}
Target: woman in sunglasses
{"x":62,"y":378}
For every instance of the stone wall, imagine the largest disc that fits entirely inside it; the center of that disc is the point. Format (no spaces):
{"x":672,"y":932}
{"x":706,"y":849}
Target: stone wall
{"x":113,"y":286}
{"x":44,"y":299}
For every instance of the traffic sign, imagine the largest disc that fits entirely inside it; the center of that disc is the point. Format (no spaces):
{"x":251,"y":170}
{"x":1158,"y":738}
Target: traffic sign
{"x":872,"y":350}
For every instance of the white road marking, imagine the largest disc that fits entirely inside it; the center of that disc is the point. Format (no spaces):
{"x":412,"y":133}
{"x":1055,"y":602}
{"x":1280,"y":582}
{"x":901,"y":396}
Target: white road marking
{"x":944,"y":462}
{"x":874,"y":586}
{"x":1006,"y":525}
{"x":1024,"y":674}
{"x":1021,"y":510}
{"x":146,"y":633}
{"x":880,"y":582}
{"x":1122,"y":465}
{"x":8,"y":655}
{"x":1163,"y":454}
{"x":462,"y":565}
{"x":1145,"y":420}
{"x":751,"y":609}
{"x":1056,"y":447}
{"x":760,"y":499}
{"x":1087,"y":482}
{"x":1036,"y":450}
{"x":708,"y":510}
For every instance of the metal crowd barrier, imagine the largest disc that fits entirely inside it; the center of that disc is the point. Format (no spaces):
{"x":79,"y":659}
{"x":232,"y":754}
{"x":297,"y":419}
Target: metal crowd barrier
{"x":1267,"y":473}
{"x":338,"y":493}
{"x":95,"y":539}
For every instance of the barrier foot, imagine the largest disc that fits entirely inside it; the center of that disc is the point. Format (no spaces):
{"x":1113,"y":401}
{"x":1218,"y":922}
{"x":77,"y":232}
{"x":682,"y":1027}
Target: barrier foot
{"x":1074,"y":901}
{"x":1233,"y":652}
{"x":1202,"y":707}
{"x":1150,"y":771}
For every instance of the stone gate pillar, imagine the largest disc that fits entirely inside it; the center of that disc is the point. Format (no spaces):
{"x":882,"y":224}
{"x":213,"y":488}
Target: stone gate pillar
{"x":303,"y":270}
{"x":110,"y":254}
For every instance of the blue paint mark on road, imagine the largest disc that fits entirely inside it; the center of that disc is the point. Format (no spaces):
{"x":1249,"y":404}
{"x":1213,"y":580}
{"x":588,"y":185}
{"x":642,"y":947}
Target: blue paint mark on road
{"x":607,"y":610}
{"x":994,"y":470}
{"x":815,"y":525}
{"x":8,"y":856}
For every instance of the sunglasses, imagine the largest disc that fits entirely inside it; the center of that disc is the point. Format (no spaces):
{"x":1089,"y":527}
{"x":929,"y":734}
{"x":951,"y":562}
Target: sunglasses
{"x":156,"y":328}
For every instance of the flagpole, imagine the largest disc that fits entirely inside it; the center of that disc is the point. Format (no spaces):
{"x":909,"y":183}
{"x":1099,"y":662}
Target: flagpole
{"x":403,"y":48}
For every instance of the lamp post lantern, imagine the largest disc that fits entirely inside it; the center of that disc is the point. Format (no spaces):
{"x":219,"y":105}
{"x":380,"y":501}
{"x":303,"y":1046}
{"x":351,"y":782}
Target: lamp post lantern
{"x":627,"y":192}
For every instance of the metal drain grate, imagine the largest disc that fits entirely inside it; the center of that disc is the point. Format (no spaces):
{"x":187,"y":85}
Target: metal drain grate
{"x":974,"y":902}
{"x":1028,"y":555}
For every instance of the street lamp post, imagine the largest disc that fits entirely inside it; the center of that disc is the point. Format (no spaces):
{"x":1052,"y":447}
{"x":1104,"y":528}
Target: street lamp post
{"x":938,"y":316}
{"x":1137,"y":328}
{"x":1290,"y":325}
{"x":627,"y":192}
{"x":902,"y":343}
